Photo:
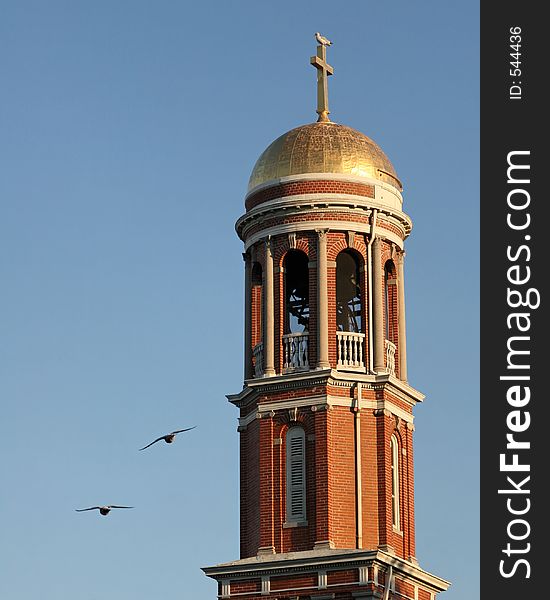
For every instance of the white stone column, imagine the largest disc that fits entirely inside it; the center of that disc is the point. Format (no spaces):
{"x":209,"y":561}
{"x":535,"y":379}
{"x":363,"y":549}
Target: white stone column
{"x":269,"y":341}
{"x":378,"y":305}
{"x":401,"y":323}
{"x":247,"y":315}
{"x":322,"y":300}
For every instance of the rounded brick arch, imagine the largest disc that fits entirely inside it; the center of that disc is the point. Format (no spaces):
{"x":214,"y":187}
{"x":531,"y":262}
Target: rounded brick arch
{"x":396,"y":431}
{"x":285,"y":421}
{"x":283,"y":250}
{"x":338,"y":245}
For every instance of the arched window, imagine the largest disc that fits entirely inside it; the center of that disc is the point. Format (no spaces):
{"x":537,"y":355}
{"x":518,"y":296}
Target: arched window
{"x":296,"y":292}
{"x":257,"y":318}
{"x":256,"y":282}
{"x":390,"y":299}
{"x":348,"y":293}
{"x":394,"y":448}
{"x":295,"y":475}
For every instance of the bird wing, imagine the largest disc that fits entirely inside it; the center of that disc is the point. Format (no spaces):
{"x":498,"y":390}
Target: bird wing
{"x":91,"y":508}
{"x":182,"y":430}
{"x":154,"y":442}
{"x":117,"y":506}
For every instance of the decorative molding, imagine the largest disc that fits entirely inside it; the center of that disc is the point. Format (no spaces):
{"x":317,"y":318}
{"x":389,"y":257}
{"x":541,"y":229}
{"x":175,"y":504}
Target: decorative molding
{"x":225,"y":585}
{"x":324,"y":402}
{"x":292,"y":240}
{"x":316,"y":225}
{"x":324,"y":559}
{"x":254,"y":388}
{"x":350,"y":238}
{"x":321,"y":231}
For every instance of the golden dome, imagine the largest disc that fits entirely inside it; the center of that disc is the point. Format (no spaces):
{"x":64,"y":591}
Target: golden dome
{"x":323,"y":147}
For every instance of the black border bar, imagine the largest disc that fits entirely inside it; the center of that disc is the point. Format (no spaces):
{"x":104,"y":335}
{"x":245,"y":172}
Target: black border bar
{"x":514,"y":268}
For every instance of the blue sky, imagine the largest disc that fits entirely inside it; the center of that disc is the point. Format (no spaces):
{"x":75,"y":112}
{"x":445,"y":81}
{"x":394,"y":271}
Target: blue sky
{"x":129,"y":130}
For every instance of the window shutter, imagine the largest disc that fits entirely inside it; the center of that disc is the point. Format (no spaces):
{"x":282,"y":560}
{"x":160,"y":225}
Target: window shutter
{"x":296,"y":475}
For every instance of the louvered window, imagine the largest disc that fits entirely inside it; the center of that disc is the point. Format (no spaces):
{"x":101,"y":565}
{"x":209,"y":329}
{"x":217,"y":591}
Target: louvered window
{"x":295,"y":475}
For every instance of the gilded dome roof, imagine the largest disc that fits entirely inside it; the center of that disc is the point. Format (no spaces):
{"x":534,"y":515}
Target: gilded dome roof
{"x":323,"y":147}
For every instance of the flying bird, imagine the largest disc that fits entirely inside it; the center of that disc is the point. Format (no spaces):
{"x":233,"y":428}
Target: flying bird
{"x":169,"y":437}
{"x":322,"y":40}
{"x":104,"y":510}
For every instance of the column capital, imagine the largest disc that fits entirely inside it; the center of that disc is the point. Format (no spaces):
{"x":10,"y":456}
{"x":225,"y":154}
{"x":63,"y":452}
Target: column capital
{"x":321,"y":233}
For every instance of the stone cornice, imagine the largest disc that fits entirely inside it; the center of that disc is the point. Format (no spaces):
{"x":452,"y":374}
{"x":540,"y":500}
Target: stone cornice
{"x":315,"y":560}
{"x":327,"y":203}
{"x":296,"y":381}
{"x":320,"y":402}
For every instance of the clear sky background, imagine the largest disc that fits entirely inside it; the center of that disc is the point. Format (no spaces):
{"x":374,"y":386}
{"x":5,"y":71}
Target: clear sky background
{"x":128,"y":131}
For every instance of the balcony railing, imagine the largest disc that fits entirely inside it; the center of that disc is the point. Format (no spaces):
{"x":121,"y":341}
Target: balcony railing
{"x":390,"y":356}
{"x":295,"y":351}
{"x":350,"y":350}
{"x":258,"y":356}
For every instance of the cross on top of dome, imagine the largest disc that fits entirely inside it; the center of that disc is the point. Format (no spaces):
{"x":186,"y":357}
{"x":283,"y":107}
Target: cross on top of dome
{"x":323,"y":71}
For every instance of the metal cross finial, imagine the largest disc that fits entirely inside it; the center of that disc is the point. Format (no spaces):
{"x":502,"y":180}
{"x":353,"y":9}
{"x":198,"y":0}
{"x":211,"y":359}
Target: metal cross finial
{"x":323,"y":71}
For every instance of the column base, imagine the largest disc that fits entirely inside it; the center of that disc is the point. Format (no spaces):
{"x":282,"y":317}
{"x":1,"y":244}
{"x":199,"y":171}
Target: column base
{"x":266,"y":551}
{"x":324,"y":545}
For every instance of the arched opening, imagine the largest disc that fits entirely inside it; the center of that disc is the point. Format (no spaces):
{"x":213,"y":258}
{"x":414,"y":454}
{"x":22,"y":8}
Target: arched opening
{"x":390,"y":301}
{"x":296,"y":311}
{"x":256,"y":293}
{"x":296,"y":292}
{"x":349,"y":313}
{"x":390,"y":316}
{"x":348,"y":293}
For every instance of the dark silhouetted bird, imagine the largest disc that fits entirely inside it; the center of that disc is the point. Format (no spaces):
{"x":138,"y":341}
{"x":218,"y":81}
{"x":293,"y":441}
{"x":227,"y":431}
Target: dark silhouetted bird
{"x":169,"y":437}
{"x":104,"y":510}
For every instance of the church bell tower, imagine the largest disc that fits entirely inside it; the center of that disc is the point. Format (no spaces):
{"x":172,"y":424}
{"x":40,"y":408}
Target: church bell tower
{"x":326,"y":412}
